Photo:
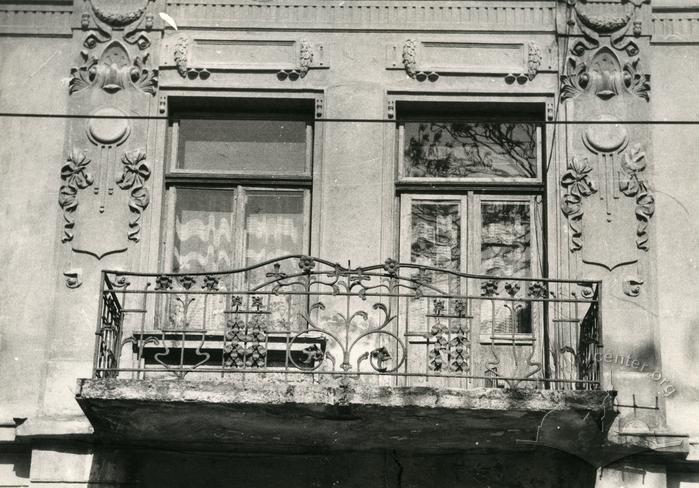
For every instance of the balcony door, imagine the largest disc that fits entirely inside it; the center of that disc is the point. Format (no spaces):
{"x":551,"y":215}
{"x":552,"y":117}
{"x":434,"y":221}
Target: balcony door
{"x":470,"y":191}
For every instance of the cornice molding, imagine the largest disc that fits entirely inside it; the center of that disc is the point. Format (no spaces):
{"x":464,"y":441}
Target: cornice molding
{"x":676,"y":27}
{"x":382,"y":15}
{"x":41,"y":20}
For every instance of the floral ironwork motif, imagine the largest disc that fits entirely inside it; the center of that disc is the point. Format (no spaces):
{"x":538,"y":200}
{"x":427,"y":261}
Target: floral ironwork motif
{"x":391,"y":266}
{"x":75,"y":178}
{"x":306,"y":264}
{"x":489,"y":288}
{"x":134,"y":175}
{"x":451,"y":343}
{"x":163,"y":282}
{"x":578,"y":185}
{"x":245,"y":341}
{"x":373,"y":320}
{"x":186,"y":281}
{"x":211,"y":283}
{"x":538,"y":290}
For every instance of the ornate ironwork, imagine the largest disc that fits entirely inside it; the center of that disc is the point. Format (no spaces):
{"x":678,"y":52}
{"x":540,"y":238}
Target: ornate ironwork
{"x":407,"y":323}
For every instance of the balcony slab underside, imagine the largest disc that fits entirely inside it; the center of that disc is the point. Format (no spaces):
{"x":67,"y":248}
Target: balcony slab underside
{"x":271,"y":415}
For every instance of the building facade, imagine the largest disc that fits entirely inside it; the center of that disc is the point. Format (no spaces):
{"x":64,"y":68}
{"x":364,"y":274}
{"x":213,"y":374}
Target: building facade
{"x":343,"y":243}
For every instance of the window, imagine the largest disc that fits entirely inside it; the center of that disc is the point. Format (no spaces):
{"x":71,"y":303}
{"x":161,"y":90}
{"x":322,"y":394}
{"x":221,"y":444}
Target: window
{"x":470,"y":190}
{"x":239,"y":188}
{"x":458,"y":144}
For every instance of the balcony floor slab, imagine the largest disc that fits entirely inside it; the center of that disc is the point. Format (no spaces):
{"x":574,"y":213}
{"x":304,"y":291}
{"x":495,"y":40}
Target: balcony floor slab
{"x":268,"y":414}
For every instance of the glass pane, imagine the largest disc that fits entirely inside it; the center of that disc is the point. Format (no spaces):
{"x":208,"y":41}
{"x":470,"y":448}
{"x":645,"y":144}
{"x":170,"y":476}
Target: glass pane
{"x":470,"y":150}
{"x":506,"y":252}
{"x":204,"y":241}
{"x":274,"y":223}
{"x":506,"y":239}
{"x":203,"y":231}
{"x":435,"y":237}
{"x":436,"y":234}
{"x":245,"y":146}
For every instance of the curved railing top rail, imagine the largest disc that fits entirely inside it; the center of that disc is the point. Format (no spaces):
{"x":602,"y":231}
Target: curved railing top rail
{"x":389,"y":268}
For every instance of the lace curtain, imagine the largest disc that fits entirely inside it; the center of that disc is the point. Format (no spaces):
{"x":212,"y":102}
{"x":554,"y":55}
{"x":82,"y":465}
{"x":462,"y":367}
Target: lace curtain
{"x":205,"y":240}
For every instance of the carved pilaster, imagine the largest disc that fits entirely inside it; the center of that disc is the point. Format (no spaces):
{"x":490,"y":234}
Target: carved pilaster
{"x":604,"y":57}
{"x":604,"y":80}
{"x":116,"y":82}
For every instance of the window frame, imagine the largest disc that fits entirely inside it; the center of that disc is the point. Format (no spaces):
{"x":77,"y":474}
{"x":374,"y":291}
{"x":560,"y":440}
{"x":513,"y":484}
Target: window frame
{"x":173,"y":172}
{"x":480,"y":180}
{"x":471,"y":192}
{"x":241,"y":182}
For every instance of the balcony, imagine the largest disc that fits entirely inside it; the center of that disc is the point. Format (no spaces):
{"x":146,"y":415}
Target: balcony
{"x":301,"y":343}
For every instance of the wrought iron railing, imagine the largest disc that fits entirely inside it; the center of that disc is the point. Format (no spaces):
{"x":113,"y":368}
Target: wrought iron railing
{"x":309,"y":319}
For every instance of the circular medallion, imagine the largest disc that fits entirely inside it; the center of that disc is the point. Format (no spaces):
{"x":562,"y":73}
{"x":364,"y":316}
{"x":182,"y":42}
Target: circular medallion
{"x":606,"y":138}
{"x":108,"y":128}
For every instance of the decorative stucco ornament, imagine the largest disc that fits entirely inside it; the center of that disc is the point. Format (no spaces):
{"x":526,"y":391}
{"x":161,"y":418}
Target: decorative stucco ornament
{"x":114,"y":71}
{"x":605,"y":60}
{"x":73,"y":278}
{"x":632,"y":286}
{"x":108,"y":127}
{"x":75,"y":177}
{"x":181,"y":54}
{"x":533,"y":60}
{"x":136,"y":172}
{"x":117,"y":18}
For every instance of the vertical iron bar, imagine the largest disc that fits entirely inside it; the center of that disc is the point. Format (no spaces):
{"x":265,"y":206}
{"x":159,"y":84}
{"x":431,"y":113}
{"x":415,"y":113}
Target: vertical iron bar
{"x":546,"y":315}
{"x":98,"y":332}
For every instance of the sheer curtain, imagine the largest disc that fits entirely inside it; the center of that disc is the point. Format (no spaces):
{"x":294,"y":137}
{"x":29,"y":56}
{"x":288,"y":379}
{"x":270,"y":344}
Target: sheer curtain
{"x":204,"y":241}
{"x":274,"y":227}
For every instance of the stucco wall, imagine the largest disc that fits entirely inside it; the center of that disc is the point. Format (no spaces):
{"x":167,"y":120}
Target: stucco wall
{"x":675,"y":179}
{"x":33,"y":79}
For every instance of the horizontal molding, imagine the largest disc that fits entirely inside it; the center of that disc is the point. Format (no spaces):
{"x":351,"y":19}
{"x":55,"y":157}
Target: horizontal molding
{"x":388,"y":15}
{"x":197,"y":53}
{"x":675,"y":27}
{"x":42,"y":20}
{"x":224,"y":179}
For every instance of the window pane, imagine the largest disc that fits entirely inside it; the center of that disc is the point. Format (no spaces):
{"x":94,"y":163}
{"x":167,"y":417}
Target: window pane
{"x":274,"y":224}
{"x":245,"y":146}
{"x":436,"y":234}
{"x":204,"y":241}
{"x":435,"y":237}
{"x":506,"y":239}
{"x":203,"y":230}
{"x":506,"y":252}
{"x":460,"y":150}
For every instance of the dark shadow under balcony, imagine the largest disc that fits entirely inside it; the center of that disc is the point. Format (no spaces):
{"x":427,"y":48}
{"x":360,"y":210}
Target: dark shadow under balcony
{"x":301,"y":353}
